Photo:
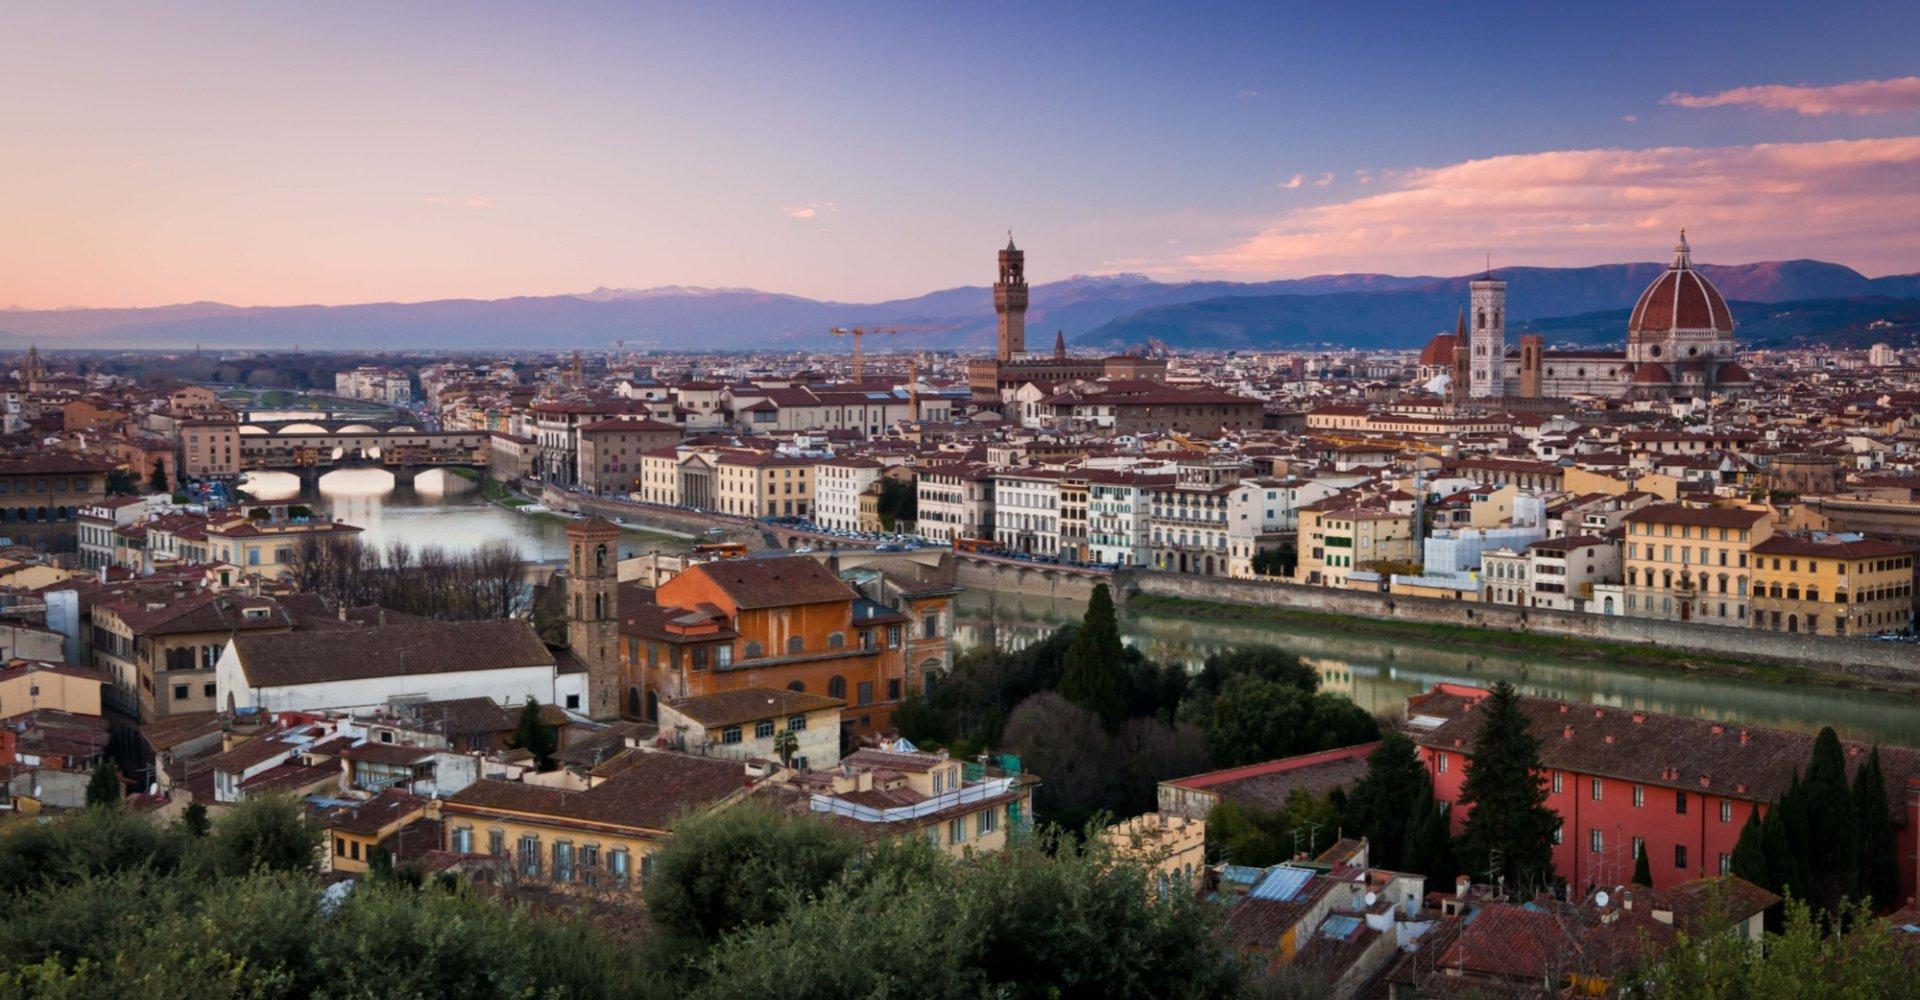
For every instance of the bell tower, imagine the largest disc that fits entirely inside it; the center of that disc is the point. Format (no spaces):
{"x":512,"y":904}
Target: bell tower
{"x":1487,"y":312}
{"x":593,"y":610}
{"x":1010,"y":301}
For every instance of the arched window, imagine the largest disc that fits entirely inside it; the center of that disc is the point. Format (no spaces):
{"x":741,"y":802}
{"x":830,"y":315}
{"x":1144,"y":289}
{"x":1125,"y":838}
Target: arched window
{"x":599,"y":606}
{"x":795,"y":644}
{"x":753,"y":650}
{"x":633,"y":701}
{"x":837,"y":687}
{"x":799,"y":686}
{"x":600,"y":556}
{"x":1481,"y":319}
{"x":837,"y":640}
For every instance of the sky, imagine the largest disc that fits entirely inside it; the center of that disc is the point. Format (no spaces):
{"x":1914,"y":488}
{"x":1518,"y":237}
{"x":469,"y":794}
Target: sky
{"x":272,"y":154}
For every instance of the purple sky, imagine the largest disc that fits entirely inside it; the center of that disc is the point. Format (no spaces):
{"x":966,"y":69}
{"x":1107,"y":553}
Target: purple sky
{"x":274,"y":154}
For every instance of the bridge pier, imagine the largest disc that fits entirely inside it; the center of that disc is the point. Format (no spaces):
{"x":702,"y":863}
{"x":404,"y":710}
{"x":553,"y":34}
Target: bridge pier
{"x":403,"y":475}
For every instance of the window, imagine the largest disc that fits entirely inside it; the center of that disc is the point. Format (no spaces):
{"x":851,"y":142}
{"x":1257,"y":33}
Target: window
{"x":893,"y":689}
{"x":957,"y":831}
{"x":1726,"y":864}
{"x":796,"y":644}
{"x":617,"y":863}
{"x":1596,"y":789}
{"x":723,"y":656}
{"x":836,"y":640}
{"x":339,"y":847}
{"x":1639,"y":847}
{"x":497,"y":843}
{"x":763,"y":729}
{"x":796,"y":723}
{"x":463,"y":840}
{"x":563,"y":862}
{"x":1556,"y":782}
{"x":1596,"y":842}
{"x":1639,"y":796}
{"x":530,"y":856}
{"x":207,"y":689}
{"x":1679,"y":855}
{"x":837,"y":687}
{"x":1559,"y":832}
{"x":1680,"y":803}
{"x":986,"y":822}
{"x":866,"y":692}
{"x":573,"y":701}
{"x":180,"y":692}
{"x":1726,"y":811}
{"x":753,"y":650}
{"x":731,"y":734}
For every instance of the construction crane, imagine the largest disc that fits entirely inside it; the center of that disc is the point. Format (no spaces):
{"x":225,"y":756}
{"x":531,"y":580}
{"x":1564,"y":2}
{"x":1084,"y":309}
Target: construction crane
{"x":857,"y":333}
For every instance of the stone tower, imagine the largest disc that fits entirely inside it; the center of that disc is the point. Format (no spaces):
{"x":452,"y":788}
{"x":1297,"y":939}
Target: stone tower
{"x":1010,"y":301}
{"x":1487,"y":310}
{"x":1462,"y":362}
{"x":593,"y":610}
{"x":1532,"y":347}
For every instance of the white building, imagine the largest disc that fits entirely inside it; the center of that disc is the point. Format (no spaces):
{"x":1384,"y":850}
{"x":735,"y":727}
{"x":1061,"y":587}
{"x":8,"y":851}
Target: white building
{"x":954,"y":502}
{"x":366,"y":668}
{"x":1117,"y":516}
{"x":1565,"y":571}
{"x":837,"y":485}
{"x":1026,"y":511}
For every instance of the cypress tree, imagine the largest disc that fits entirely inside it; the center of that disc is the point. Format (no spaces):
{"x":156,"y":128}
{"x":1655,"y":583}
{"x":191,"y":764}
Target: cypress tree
{"x":104,"y":788}
{"x":535,"y":737}
{"x":1787,"y":871}
{"x":1386,"y":799}
{"x":1749,"y":859}
{"x":1879,"y":862}
{"x":1509,"y":829}
{"x":1831,"y":845}
{"x":1642,"y":872}
{"x":1093,"y":674}
{"x":1428,"y":846}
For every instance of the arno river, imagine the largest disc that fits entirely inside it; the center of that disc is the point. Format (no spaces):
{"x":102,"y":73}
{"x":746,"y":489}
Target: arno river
{"x":1377,"y":673}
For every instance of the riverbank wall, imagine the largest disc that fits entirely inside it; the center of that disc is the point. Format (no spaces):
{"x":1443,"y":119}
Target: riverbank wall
{"x":1889,"y":662}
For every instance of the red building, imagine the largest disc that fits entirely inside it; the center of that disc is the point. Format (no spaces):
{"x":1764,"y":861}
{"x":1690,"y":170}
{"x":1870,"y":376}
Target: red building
{"x":1623,"y":781}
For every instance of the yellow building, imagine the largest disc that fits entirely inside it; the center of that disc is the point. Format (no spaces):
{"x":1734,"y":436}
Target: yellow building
{"x":1335,"y":542}
{"x":1692,"y":563}
{"x":1175,"y":847}
{"x":1832,"y":586}
{"x":602,"y":837}
{"x":32,"y":685}
{"x":269,"y":546}
{"x":756,"y":484}
{"x":352,"y":833}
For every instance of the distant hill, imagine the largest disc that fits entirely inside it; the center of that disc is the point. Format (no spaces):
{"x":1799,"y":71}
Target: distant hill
{"x":1110,"y":310}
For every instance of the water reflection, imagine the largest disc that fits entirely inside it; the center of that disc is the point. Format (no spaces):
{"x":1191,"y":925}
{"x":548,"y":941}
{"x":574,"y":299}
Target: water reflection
{"x":1379,"y":674}
{"x":438,"y":508}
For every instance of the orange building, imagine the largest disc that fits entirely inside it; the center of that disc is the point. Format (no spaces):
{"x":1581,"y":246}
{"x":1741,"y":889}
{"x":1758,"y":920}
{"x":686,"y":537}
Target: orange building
{"x":782,"y":623}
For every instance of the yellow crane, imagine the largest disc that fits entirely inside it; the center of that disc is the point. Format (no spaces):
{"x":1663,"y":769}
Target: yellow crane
{"x":857,"y":333}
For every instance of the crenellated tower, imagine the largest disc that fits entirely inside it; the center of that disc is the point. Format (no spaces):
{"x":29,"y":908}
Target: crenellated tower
{"x":1010,"y":301}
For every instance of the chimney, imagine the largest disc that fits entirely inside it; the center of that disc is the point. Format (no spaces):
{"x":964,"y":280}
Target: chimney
{"x":1599,"y":713}
{"x":1609,"y":737}
{"x":1461,"y":885}
{"x":1746,"y":738}
{"x":1563,"y":708}
{"x":1626,"y":898}
{"x":1567,"y":733}
{"x":1716,"y":729}
{"x":1639,"y":718}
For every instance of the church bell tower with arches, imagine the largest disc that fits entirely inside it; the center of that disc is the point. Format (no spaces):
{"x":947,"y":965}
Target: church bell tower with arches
{"x":593,"y":610}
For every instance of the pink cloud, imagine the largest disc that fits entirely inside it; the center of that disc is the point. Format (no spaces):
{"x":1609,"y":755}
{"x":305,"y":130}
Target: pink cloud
{"x":1857,"y":201}
{"x":1294,"y":182}
{"x":810,"y":210}
{"x":1861,"y":97}
{"x":1324,"y":180}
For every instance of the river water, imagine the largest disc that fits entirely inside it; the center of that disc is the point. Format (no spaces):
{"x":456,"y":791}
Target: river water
{"x":439,"y":509}
{"x":1379,"y":674}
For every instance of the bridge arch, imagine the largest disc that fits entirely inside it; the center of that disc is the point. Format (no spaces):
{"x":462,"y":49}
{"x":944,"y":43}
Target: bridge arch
{"x":304,"y":428}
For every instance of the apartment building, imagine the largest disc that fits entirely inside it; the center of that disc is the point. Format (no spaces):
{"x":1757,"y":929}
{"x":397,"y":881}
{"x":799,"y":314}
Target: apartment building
{"x":837,"y":486}
{"x":955,"y":502}
{"x":1026,"y":511}
{"x":1692,"y":563}
{"x":757,"y":484}
{"x":1118,"y":509}
{"x":1832,"y":585}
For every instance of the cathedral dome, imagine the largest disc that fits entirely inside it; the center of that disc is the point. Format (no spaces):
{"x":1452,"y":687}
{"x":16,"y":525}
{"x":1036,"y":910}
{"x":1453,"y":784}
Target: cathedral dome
{"x":1679,"y":300}
{"x":1732,"y":373}
{"x":1439,"y":351}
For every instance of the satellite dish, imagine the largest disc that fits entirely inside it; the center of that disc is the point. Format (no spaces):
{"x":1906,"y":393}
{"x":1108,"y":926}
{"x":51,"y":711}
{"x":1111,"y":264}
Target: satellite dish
{"x":1601,"y":898}
{"x":1372,"y":897}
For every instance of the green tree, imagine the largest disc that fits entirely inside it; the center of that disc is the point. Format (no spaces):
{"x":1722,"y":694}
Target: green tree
{"x":157,"y":477}
{"x":534,"y":736}
{"x":1856,"y":956}
{"x":1248,"y":835}
{"x":104,"y":787}
{"x":264,"y":834}
{"x":1879,"y":857}
{"x":1254,"y":719}
{"x":1509,"y":829}
{"x":739,"y":868}
{"x":1385,"y":797}
{"x":1429,"y":839}
{"x":899,"y":502}
{"x":1094,"y":674}
{"x":193,"y":819}
{"x":1642,"y":871}
{"x":121,"y":483}
{"x":1831,"y":842}
{"x":1270,"y":663}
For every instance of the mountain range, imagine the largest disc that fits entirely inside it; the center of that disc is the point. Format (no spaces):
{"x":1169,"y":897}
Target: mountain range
{"x":1361,"y":310}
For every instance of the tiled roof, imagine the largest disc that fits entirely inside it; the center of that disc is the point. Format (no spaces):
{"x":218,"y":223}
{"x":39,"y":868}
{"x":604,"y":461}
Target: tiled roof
{"x":393,"y":650}
{"x":726,"y":708}
{"x":771,"y":583}
{"x":650,"y":793}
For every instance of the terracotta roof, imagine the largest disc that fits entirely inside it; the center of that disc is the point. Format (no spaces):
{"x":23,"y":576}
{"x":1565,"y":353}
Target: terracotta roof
{"x":771,"y":583}
{"x":393,"y":650}
{"x":726,"y":708}
{"x":651,"y":792}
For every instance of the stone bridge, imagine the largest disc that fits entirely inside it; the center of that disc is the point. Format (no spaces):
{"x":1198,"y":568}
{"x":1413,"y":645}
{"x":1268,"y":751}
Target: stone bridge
{"x":401,"y":452}
{"x":361,"y":424}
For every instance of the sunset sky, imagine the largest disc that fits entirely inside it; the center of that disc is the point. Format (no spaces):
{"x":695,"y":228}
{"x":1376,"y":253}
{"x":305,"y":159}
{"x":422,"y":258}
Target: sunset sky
{"x":277,"y":153}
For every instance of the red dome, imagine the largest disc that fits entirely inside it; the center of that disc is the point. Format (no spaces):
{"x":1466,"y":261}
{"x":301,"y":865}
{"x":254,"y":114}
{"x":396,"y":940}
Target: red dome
{"x":1680,"y":300}
{"x":1439,"y":351}
{"x":1732,"y":372}
{"x":1650,"y":374}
